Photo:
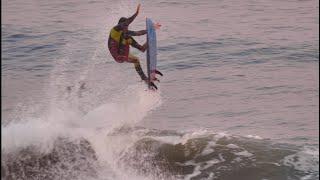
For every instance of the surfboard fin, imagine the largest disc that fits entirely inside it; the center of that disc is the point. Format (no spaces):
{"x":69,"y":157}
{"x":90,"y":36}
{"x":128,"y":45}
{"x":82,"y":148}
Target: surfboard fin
{"x":158,"y":72}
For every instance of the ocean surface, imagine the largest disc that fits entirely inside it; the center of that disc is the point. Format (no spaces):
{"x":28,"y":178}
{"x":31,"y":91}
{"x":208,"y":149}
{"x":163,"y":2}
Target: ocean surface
{"x":239,"y":99}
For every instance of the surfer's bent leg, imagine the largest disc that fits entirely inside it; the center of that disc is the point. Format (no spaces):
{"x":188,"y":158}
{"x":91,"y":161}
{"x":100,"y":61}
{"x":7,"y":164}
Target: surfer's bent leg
{"x":138,"y":46}
{"x":137,"y":66}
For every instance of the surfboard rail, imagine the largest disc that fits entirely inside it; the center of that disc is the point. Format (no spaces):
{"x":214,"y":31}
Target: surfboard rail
{"x":151,"y":52}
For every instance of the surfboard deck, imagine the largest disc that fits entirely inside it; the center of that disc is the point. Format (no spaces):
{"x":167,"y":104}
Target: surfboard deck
{"x":151,"y":53}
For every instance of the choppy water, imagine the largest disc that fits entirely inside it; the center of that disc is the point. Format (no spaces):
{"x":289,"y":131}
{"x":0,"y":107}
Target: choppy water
{"x":239,"y":99}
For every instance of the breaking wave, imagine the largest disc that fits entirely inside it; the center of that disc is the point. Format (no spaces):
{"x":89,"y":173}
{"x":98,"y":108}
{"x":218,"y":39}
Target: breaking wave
{"x":129,"y":152}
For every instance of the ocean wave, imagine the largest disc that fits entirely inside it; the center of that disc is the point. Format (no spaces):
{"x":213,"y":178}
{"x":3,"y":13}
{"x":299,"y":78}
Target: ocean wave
{"x":164,"y":154}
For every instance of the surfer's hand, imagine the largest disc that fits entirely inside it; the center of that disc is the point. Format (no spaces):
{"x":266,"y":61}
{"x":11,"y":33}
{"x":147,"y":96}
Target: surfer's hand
{"x":138,"y":9}
{"x":157,"y":26}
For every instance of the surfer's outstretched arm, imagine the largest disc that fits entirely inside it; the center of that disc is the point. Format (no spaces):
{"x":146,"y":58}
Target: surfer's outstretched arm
{"x":124,"y":22}
{"x":130,"y":19}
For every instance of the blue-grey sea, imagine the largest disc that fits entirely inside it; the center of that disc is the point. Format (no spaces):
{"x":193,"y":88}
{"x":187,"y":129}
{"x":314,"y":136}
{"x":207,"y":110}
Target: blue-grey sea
{"x":239,"y":99}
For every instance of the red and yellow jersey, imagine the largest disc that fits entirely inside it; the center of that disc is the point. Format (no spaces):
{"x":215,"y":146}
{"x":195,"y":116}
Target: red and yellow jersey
{"x":117,"y":35}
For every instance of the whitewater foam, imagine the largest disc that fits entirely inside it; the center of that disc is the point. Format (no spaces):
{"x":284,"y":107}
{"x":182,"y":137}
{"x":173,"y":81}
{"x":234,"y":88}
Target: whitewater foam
{"x":306,"y":160}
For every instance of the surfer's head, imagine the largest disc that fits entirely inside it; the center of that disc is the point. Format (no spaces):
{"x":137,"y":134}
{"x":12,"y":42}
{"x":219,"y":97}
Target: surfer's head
{"x":122,"y":20}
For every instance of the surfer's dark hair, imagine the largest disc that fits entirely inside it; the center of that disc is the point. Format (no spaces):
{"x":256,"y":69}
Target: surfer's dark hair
{"x":122,"y":20}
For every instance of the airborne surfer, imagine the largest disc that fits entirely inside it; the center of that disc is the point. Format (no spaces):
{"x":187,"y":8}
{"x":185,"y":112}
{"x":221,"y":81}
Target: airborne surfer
{"x":120,"y":40}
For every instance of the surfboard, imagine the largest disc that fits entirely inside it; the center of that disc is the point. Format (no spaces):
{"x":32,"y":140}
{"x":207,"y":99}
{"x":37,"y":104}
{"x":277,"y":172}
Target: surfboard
{"x":151,"y":52}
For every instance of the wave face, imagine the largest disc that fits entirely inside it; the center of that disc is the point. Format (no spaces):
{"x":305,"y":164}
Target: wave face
{"x":140,"y":153}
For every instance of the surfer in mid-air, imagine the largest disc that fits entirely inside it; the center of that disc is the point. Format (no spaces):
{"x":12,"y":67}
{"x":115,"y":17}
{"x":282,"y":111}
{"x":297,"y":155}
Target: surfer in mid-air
{"x":120,"y":40}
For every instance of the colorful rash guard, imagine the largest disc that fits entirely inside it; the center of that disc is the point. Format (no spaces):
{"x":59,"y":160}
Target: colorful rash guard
{"x":120,"y":40}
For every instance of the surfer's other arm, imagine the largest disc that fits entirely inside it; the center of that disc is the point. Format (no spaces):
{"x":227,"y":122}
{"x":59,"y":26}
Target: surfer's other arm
{"x":137,"y":33}
{"x":142,"y":32}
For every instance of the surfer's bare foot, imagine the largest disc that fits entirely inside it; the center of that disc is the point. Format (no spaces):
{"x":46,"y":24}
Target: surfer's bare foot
{"x":150,"y":84}
{"x":155,"y":79}
{"x":153,"y":86}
